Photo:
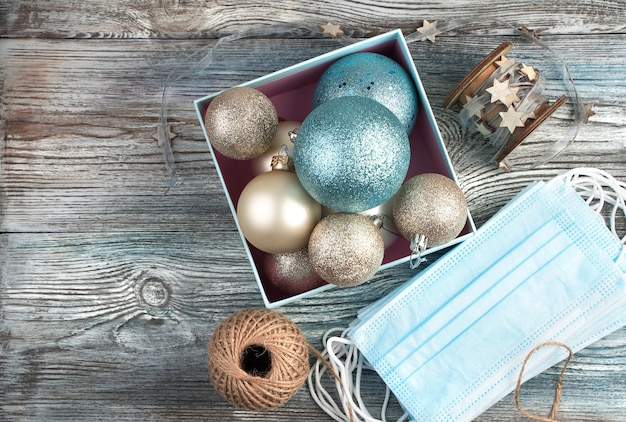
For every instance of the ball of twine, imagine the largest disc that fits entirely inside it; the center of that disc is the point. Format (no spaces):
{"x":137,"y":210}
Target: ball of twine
{"x":258,"y":359}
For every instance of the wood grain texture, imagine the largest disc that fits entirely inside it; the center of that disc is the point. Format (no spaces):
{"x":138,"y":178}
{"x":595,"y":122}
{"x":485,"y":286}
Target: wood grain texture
{"x":110,"y":285}
{"x":205,"y":18}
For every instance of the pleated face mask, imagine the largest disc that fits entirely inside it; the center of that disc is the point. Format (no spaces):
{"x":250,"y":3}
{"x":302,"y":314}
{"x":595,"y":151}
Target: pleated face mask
{"x":451,"y":342}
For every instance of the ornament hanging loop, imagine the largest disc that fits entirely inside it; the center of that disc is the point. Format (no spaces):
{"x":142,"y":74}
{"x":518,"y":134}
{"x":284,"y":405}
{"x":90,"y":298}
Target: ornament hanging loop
{"x":419,"y":243}
{"x":378,"y":220}
{"x":285,"y":151}
{"x":293,"y":135}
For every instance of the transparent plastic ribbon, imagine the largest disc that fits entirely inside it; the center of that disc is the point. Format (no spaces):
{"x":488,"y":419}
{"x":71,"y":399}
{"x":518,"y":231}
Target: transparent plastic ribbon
{"x":199,"y":62}
{"x":572,"y":93}
{"x":529,"y":93}
{"x":201,"y":59}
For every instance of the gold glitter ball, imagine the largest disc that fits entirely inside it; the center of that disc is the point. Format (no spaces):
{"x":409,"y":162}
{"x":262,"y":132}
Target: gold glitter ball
{"x":432,"y":205}
{"x":346,"y":249}
{"x":241,"y":123}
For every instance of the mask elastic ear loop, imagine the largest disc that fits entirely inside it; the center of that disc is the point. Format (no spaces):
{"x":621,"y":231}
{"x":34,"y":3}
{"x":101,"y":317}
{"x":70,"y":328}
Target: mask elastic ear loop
{"x":598,"y":188}
{"x":346,"y":364}
{"x":559,"y":384}
{"x":318,"y":392}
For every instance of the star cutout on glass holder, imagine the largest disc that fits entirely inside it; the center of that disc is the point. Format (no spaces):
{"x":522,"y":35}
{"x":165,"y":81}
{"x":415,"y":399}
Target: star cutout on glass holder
{"x":529,"y":71}
{"x":331,"y":29}
{"x":512,"y":119}
{"x":158,"y":134}
{"x":429,"y":31}
{"x":501,"y":91}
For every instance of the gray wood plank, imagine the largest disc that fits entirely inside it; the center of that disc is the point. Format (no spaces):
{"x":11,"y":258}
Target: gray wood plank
{"x":79,"y":145}
{"x":174,"y":19}
{"x":87,"y":229}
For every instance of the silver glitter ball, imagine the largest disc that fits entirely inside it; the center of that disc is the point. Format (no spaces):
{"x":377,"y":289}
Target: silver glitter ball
{"x":346,"y":249}
{"x":241,"y":123}
{"x":431,"y":205}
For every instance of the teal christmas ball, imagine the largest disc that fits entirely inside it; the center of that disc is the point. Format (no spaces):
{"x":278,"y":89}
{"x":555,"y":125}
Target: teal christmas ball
{"x":373,"y":76}
{"x":351,"y":154}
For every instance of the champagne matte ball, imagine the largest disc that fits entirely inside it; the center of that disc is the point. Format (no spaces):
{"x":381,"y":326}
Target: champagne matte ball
{"x":351,"y":154}
{"x":432,"y":205}
{"x":275,"y":213}
{"x":346,"y":249}
{"x":241,"y":123}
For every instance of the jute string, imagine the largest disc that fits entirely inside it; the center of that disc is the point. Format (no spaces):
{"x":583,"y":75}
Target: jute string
{"x":258,"y":359}
{"x":559,"y":383}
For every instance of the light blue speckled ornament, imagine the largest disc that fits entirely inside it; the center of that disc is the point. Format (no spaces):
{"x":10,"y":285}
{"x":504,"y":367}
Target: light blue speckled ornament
{"x":351,"y":154}
{"x":374,"y":76}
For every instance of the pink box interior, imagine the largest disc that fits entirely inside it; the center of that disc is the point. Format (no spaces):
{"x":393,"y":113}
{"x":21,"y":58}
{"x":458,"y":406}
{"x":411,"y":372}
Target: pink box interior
{"x":292,"y":96}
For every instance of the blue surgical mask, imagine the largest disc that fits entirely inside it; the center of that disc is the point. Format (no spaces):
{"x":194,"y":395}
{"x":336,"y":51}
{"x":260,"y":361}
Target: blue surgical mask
{"x":451,"y":341}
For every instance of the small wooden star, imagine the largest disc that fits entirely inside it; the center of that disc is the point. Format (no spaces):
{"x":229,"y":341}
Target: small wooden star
{"x":501,"y":91}
{"x":429,"y":31}
{"x":587,"y":109}
{"x":505,"y":64}
{"x":511,"y":119}
{"x":529,"y":71}
{"x":157,"y":135}
{"x":331,"y":29}
{"x":530,"y":32}
{"x":468,"y":100}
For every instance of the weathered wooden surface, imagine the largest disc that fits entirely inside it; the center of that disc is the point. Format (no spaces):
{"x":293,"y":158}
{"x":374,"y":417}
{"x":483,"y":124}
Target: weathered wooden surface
{"x":110,"y":287}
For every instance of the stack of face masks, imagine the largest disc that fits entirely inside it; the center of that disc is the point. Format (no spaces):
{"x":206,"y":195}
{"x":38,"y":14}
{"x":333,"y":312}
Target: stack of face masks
{"x":450,"y":342}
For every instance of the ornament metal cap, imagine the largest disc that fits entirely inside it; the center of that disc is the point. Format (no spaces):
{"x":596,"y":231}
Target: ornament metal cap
{"x":378,"y":220}
{"x":282,"y":162}
{"x":293,"y":135}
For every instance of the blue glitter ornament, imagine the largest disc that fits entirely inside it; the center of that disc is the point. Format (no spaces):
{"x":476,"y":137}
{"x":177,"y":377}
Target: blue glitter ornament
{"x":351,"y":154}
{"x":373,"y":76}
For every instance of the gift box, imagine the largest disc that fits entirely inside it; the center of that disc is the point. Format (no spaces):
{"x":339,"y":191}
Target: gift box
{"x":291,"y":91}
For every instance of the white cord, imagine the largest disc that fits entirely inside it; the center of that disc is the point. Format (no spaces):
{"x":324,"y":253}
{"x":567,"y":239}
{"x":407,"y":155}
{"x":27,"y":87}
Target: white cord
{"x":348,"y":364}
{"x":599,"y":188}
